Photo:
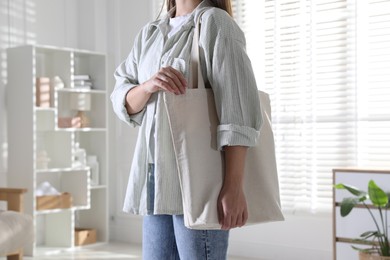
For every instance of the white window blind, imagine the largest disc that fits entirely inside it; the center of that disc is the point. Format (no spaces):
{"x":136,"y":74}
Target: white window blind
{"x":374,"y":82}
{"x":308,"y":67}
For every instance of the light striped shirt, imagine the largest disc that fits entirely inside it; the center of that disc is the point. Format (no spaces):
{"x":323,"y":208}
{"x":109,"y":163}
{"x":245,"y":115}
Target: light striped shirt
{"x":228,"y":71}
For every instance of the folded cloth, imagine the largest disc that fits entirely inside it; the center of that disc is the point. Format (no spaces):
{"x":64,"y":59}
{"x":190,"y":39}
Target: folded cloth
{"x":45,"y":188}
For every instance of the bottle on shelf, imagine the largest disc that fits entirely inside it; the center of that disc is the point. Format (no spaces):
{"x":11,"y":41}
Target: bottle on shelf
{"x":93,"y":163}
{"x":80,"y":156}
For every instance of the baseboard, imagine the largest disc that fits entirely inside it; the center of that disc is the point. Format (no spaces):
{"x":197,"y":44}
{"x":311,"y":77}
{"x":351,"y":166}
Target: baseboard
{"x":260,"y":251}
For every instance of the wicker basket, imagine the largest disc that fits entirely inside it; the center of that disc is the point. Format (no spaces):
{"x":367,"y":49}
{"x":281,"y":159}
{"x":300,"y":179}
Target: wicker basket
{"x":365,"y":256}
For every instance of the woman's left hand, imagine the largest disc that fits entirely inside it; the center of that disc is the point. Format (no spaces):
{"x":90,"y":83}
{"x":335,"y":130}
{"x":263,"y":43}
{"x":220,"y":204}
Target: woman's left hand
{"x":232,"y":207}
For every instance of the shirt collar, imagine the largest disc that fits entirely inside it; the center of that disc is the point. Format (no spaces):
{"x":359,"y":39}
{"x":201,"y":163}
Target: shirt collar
{"x":163,"y":23}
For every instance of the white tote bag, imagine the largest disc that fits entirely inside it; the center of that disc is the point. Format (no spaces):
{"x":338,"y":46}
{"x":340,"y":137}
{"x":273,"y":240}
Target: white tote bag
{"x":193,"y":124}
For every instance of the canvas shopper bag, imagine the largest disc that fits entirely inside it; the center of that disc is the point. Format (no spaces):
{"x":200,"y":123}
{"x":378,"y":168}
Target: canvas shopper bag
{"x":193,"y":124}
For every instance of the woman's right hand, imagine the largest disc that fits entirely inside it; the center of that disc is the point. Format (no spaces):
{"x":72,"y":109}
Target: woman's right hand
{"x":166,"y":79}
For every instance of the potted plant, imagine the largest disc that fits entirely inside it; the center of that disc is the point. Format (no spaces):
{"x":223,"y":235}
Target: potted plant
{"x":379,"y":238}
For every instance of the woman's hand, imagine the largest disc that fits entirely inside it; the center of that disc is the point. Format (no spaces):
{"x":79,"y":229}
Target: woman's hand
{"x":166,"y":79}
{"x":232,"y":207}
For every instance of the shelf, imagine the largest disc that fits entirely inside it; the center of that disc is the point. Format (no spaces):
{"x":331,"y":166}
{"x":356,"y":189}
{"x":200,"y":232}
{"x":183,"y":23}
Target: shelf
{"x":58,"y":170}
{"x":81,"y":208}
{"x":360,"y":206}
{"x":51,"y":211}
{"x":45,"y":109}
{"x":76,"y":90}
{"x":354,"y":241}
{"x":98,"y":187}
{"x":84,"y":129}
{"x":49,"y":153}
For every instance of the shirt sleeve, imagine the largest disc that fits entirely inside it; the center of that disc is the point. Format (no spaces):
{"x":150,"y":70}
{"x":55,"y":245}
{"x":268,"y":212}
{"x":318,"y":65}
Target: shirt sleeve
{"x":230,"y":74}
{"x":126,"y":76}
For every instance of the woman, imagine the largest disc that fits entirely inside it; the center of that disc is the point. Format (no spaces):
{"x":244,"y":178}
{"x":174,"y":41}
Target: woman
{"x":158,"y":62}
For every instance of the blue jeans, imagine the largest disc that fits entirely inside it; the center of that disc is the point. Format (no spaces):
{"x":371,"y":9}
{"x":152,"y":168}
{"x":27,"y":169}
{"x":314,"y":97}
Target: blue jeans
{"x":166,"y":238}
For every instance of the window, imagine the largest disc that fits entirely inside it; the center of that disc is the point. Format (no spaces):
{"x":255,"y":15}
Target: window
{"x":309,"y":59}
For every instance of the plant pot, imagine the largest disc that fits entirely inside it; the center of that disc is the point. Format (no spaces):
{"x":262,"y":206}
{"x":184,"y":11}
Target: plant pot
{"x":365,"y":256}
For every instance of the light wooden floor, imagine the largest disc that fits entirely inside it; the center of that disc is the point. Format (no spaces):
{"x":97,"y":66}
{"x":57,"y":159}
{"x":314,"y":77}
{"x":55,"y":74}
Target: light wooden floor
{"x":112,"y":251}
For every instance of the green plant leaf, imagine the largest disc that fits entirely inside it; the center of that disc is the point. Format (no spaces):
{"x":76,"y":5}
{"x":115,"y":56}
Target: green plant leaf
{"x":347,"y":205}
{"x":357,"y":248}
{"x":369,"y":234}
{"x":377,"y":196}
{"x":355,"y":191}
{"x":365,"y":250}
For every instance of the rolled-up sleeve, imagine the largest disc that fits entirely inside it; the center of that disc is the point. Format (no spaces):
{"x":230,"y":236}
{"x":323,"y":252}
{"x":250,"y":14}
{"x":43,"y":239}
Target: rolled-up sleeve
{"x":126,"y":76}
{"x":230,"y":74}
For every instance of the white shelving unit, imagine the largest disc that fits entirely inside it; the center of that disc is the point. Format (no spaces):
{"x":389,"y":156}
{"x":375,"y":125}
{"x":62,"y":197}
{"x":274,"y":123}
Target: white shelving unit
{"x":32,"y":129}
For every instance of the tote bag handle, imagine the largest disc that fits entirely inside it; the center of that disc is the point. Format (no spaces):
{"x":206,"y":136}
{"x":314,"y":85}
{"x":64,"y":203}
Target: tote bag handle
{"x":197,"y":77}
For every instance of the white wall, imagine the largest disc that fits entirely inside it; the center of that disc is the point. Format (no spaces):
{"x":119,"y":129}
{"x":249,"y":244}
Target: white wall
{"x":125,"y":19}
{"x":110,"y":26}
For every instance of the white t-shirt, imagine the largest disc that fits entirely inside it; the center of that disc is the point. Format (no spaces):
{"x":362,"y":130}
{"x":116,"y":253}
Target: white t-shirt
{"x":175,"y":24}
